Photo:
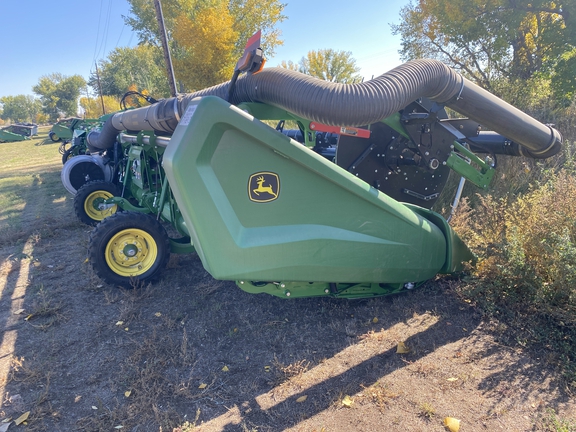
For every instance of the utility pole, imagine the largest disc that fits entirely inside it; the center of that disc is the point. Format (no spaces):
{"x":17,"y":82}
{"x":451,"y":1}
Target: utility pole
{"x":164,"y":38}
{"x":100,"y":89}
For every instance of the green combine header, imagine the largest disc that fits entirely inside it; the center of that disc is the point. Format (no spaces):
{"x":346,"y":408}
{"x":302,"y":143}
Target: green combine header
{"x":274,"y":214}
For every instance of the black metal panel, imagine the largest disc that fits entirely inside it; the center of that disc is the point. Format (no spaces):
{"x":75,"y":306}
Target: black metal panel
{"x":393,"y":165}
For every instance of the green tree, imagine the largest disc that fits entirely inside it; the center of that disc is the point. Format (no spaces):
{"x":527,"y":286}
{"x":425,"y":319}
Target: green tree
{"x":329,"y":65}
{"x":59,"y":94}
{"x":490,"y":40}
{"x":141,"y":66}
{"x":564,"y":78}
{"x":242,"y":19}
{"x":20,"y":108}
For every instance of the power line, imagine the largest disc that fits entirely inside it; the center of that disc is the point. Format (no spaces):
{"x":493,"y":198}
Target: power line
{"x":98,"y":31}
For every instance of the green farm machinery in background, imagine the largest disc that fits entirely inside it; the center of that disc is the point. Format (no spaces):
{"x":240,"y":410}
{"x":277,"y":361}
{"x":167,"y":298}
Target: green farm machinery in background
{"x":63,"y":128}
{"x":277,"y":217}
{"x":18,"y":132}
{"x":70,"y":133}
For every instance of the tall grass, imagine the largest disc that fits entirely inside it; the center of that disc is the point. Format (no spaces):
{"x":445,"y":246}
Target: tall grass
{"x":524,"y":233}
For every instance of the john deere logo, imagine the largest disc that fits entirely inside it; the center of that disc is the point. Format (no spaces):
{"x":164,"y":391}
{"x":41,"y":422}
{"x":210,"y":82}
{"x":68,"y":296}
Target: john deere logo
{"x":263,"y":187}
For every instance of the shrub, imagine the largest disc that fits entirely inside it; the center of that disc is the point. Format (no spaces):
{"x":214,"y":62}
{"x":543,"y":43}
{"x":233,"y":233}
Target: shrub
{"x":526,"y":271}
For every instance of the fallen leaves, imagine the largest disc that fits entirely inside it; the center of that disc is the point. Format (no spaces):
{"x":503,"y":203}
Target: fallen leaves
{"x":22,"y":418}
{"x":452,"y":424}
{"x":202,"y":386}
{"x":301,"y":399}
{"x":225,"y":369}
{"x":347,"y":401}
{"x":401,"y":348}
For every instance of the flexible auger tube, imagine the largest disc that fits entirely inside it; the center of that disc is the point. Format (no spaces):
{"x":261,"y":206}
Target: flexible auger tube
{"x":353,"y":104}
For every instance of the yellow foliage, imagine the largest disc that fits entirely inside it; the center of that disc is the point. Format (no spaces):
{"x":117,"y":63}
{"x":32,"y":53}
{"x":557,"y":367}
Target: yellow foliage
{"x":135,"y":101}
{"x":208,"y":42}
{"x":40,"y":118}
{"x":93,"y":106}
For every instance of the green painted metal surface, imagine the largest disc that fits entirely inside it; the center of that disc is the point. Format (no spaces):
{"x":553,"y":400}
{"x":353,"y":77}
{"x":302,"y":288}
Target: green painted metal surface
{"x":7,"y":136}
{"x":64,"y":129}
{"x":322,"y":289}
{"x":475,"y":169}
{"x":261,"y":207}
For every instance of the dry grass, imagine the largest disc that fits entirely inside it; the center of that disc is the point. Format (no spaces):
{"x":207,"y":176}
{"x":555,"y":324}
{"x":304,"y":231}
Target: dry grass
{"x":526,"y":272}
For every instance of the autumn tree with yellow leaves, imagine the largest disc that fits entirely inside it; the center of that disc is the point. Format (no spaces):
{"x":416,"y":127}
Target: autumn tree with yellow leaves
{"x":207,"y":37}
{"x":328,"y":65}
{"x":331,"y":65}
{"x":92,"y":107}
{"x":208,"y":43}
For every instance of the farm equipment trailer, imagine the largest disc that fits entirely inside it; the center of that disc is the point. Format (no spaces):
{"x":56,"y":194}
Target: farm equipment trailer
{"x":276,"y":217}
{"x":18,"y":132}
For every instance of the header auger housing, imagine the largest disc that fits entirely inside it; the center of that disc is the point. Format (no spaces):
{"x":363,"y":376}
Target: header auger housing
{"x":277,"y":217}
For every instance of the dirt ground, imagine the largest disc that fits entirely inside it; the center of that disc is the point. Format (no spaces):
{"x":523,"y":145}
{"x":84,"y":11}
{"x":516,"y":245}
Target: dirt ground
{"x":190,"y":353}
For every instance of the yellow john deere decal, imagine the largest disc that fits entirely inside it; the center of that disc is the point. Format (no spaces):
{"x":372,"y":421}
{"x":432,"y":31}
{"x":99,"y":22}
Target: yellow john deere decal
{"x":263,"y":187}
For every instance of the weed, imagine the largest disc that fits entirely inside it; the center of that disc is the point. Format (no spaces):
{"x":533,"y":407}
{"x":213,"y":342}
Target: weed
{"x":527,"y":262}
{"x":187,"y":426}
{"x":291,"y":371}
{"x":380,"y":395}
{"x":45,"y":311}
{"x":549,"y":422}
{"x":426,"y":410}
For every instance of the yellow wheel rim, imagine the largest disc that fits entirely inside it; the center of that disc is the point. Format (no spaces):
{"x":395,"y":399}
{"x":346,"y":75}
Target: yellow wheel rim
{"x":131,"y":252}
{"x":92,"y":203}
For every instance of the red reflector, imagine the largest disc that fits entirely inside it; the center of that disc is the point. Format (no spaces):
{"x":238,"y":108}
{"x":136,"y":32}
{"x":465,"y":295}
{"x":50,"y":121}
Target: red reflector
{"x":340,"y":130}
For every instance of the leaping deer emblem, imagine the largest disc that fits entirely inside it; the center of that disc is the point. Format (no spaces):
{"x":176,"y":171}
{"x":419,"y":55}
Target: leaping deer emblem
{"x":262,"y":188}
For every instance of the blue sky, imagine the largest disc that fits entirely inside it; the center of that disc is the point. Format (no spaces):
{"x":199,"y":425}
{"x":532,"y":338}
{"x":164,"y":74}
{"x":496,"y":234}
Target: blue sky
{"x":40,"y":37}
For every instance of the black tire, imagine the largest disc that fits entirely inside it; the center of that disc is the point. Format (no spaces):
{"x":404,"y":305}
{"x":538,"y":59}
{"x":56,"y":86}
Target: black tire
{"x":90,"y":196}
{"x":54,"y":137}
{"x":85,"y":172}
{"x":67,"y":155}
{"x":128,"y":249}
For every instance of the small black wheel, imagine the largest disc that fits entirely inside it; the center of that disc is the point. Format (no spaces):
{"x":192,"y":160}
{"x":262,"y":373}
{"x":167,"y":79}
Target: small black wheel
{"x":88,"y":201}
{"x":66,"y":156}
{"x":129,"y":248}
{"x":54,"y":137}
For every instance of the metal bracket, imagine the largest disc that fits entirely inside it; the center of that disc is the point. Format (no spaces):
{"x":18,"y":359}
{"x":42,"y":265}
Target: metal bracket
{"x":480,"y":176}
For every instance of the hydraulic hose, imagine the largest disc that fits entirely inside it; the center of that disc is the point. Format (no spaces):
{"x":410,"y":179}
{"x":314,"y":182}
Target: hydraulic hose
{"x":352,"y":104}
